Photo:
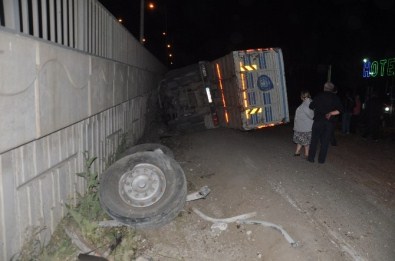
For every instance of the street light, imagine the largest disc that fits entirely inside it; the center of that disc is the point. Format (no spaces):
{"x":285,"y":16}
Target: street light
{"x":142,"y":11}
{"x":142,"y":39}
{"x":142,"y":21}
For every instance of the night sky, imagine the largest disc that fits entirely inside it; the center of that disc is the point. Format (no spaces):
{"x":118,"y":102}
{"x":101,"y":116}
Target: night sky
{"x":312,"y":34}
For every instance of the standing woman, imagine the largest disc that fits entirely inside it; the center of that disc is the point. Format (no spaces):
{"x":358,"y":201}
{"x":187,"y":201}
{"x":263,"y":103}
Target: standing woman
{"x":302,"y":124}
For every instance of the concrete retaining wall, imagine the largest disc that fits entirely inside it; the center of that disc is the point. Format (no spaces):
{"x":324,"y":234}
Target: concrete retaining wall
{"x":55,"y":104}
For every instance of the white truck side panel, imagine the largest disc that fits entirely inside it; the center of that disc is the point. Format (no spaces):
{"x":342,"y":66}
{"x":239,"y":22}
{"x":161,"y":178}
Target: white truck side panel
{"x":252,"y":89}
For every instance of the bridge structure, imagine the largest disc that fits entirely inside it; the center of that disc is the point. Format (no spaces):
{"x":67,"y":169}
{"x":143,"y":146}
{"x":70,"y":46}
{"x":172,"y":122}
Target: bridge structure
{"x":73,"y":82}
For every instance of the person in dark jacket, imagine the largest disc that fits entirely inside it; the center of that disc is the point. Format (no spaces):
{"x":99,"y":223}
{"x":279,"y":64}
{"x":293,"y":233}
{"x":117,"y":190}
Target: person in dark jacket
{"x":348,"y":106}
{"x":325,"y":105}
{"x":334,"y":120}
{"x":373,"y":115}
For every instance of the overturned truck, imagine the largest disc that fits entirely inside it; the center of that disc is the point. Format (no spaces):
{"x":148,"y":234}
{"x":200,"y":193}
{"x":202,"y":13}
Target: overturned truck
{"x":243,"y":90}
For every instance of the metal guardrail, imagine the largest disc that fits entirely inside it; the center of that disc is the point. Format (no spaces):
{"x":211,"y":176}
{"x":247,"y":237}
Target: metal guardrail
{"x":85,"y":25}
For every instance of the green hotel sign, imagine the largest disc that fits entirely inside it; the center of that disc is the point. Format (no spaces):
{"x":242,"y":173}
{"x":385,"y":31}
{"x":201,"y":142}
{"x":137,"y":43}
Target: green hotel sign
{"x":384,"y":67}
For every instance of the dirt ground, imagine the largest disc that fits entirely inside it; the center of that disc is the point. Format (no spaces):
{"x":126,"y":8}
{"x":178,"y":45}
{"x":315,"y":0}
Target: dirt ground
{"x":341,"y":210}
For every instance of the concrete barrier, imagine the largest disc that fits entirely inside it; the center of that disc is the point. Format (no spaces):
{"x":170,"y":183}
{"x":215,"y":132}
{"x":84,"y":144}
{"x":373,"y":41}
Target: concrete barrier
{"x":55,"y":104}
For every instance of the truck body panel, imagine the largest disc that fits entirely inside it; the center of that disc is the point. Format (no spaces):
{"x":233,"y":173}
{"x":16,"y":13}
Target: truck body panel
{"x":252,"y":89}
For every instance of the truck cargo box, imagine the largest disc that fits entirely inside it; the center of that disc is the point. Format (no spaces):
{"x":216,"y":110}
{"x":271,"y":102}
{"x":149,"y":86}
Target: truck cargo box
{"x":251,"y":89}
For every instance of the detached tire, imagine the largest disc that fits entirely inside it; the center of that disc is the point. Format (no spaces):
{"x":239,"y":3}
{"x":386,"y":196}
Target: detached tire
{"x":144,"y":190}
{"x":149,"y":147}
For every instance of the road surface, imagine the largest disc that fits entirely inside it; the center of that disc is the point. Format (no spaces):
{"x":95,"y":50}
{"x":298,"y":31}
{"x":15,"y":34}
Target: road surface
{"x":341,"y":210}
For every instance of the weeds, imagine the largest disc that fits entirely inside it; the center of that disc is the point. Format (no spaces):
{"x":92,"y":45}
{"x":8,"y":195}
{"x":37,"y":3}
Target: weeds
{"x":32,"y":247}
{"x":88,"y":207}
{"x":122,"y":146}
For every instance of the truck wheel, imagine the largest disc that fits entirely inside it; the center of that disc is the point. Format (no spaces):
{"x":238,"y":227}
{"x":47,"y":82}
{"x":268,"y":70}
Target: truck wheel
{"x":149,"y":147}
{"x":144,"y":190}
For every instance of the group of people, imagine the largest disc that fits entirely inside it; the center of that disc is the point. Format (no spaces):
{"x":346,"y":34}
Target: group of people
{"x":316,"y":120}
{"x":314,"y":124}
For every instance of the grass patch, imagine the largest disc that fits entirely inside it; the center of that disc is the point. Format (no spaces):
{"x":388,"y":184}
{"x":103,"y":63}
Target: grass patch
{"x":115,"y":243}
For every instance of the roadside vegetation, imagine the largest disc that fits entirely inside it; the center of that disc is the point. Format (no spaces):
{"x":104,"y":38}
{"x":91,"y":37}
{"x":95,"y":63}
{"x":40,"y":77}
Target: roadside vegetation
{"x":79,"y":233}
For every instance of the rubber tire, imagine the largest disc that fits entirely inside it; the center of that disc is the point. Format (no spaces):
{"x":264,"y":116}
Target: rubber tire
{"x":149,"y":147}
{"x":161,"y":212}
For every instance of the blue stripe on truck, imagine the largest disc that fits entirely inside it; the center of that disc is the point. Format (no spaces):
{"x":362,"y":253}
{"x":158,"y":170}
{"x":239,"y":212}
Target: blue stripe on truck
{"x":250,"y":81}
{"x":262,"y":61}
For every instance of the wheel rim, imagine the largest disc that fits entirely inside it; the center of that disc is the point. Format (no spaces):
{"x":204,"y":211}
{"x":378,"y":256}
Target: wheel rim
{"x":143,"y":185}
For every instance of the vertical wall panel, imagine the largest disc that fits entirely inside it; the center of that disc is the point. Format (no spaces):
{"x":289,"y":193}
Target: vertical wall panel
{"x":71,"y":24}
{"x":89,"y":26}
{"x":35,"y":18}
{"x":59,"y":34}
{"x":54,"y":149}
{"x":52,"y":24}
{"x":42,"y":154}
{"x":25,"y":17}
{"x":47,"y":197}
{"x":9,"y":226}
{"x":65,"y":23}
{"x":23,"y":213}
{"x":11,"y":16}
{"x":29,"y":158}
{"x":44,"y":20}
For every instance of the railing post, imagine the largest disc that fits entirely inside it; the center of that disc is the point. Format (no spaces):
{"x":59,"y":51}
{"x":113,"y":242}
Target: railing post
{"x":11,"y":14}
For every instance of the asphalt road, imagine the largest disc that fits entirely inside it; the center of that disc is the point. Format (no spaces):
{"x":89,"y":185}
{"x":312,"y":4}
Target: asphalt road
{"x":341,"y":210}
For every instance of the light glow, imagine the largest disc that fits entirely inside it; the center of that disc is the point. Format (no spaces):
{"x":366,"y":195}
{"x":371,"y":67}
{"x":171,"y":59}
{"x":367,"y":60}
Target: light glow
{"x":208,"y":95}
{"x":269,"y":125}
{"x":222,"y":93}
{"x":244,"y":90}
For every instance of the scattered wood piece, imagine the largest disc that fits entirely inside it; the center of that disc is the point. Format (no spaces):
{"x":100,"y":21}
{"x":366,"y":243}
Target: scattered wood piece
{"x":75,"y":239}
{"x":82,"y":245}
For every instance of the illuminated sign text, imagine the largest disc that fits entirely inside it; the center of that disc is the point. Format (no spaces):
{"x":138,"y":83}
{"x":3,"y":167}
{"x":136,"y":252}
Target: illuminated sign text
{"x":385,"y":67}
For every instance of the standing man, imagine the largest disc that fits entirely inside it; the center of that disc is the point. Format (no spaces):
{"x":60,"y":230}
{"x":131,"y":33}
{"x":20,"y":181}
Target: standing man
{"x":325,"y":105}
{"x":373,"y":116}
{"x":348,"y":107}
{"x":356,"y":111}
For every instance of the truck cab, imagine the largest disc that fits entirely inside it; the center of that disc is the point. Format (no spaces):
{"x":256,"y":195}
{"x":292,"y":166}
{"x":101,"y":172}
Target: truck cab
{"x":186,"y":100}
